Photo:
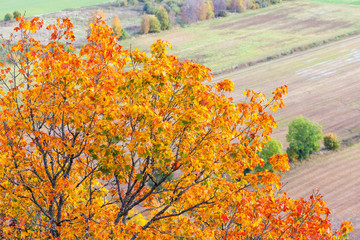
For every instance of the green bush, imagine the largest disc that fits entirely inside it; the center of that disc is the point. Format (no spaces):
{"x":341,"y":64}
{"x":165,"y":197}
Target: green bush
{"x":133,"y":2}
{"x":16,"y":14}
{"x":163,"y":18}
{"x":155,"y":25}
{"x":270,"y":148}
{"x":330,"y":142}
{"x":291,"y":153}
{"x":304,"y":137}
{"x":222,"y":13}
{"x":150,"y":8}
{"x":8,"y":17}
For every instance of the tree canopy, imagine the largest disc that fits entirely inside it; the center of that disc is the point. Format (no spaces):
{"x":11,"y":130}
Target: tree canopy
{"x":108,"y":143}
{"x":304,"y":137}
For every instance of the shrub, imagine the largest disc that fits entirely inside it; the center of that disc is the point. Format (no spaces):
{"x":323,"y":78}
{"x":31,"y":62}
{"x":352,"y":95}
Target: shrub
{"x":145,"y":24}
{"x":122,"y":3}
{"x":8,"y":17}
{"x":163,"y":18}
{"x":117,"y":28}
{"x":270,"y":148}
{"x":155,"y":25}
{"x":222,"y":13}
{"x":330,"y":142}
{"x":291,"y":153}
{"x":210,"y":10}
{"x":16,"y":14}
{"x":133,"y":2}
{"x":150,"y":8}
{"x":303,"y":137}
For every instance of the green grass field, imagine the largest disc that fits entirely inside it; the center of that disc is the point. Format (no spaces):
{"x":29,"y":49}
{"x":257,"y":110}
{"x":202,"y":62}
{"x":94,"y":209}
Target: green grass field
{"x":37,"y":7}
{"x":354,"y":2}
{"x":253,"y":35}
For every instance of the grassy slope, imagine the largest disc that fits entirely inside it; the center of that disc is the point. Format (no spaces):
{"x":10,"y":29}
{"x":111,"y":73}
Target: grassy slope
{"x":354,"y":2}
{"x":36,"y":7}
{"x":223,"y":43}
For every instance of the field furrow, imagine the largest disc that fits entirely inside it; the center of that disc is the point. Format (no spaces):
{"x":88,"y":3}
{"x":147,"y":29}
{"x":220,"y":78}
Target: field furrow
{"x":337,"y":176}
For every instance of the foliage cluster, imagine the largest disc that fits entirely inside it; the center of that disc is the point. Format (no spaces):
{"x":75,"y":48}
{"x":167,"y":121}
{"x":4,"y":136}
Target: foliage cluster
{"x":330,"y":142}
{"x":303,"y":137}
{"x":271,"y":148}
{"x":124,"y":3}
{"x":89,"y":138}
{"x":190,"y":11}
{"x":118,"y":29}
{"x":150,"y":24}
{"x":10,"y":16}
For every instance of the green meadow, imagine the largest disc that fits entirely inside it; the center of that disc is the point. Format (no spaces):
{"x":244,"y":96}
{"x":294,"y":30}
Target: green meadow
{"x":37,"y":7}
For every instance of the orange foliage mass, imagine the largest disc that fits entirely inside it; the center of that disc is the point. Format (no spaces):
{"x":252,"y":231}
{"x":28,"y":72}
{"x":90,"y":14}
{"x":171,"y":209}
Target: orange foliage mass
{"x":89,"y":139}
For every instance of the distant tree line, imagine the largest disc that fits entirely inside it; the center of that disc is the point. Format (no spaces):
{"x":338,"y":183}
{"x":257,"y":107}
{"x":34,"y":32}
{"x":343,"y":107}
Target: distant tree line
{"x":11,"y":16}
{"x":161,"y":14}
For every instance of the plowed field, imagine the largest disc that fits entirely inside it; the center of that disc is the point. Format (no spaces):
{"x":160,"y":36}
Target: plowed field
{"x":336,"y":175}
{"x":324,"y":86}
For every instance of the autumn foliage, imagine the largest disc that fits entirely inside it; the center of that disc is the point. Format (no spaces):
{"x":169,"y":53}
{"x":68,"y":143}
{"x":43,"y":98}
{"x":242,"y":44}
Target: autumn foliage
{"x":91,"y":140}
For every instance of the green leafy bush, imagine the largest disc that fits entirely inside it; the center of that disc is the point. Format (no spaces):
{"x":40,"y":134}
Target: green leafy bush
{"x":16,"y":14}
{"x":304,"y":137}
{"x":330,"y":142}
{"x":291,"y":153}
{"x":155,"y":25}
{"x":150,"y":8}
{"x":8,"y":17}
{"x":163,"y":18}
{"x":270,"y":148}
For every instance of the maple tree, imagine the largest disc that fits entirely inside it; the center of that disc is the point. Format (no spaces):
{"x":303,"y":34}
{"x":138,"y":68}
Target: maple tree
{"x":109,"y":143}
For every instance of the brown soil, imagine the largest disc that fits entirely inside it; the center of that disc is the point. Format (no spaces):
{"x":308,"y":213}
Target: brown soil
{"x":336,"y":175}
{"x":324,"y":87}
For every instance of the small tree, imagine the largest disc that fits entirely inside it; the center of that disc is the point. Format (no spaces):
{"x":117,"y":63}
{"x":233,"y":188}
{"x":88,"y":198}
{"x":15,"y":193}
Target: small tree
{"x":304,"y":137}
{"x":145,"y":24}
{"x":155,"y":25}
{"x":16,"y":14}
{"x":150,"y":8}
{"x":8,"y":17}
{"x":210,"y":10}
{"x":330,"y":142}
{"x":163,"y":18}
{"x":271,"y":148}
{"x":237,"y":6}
{"x":117,"y":28}
{"x":193,"y":10}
